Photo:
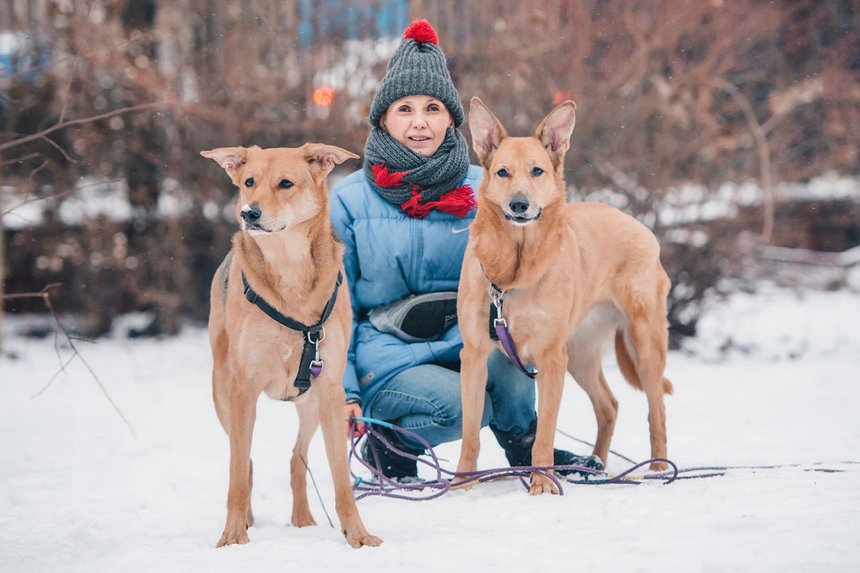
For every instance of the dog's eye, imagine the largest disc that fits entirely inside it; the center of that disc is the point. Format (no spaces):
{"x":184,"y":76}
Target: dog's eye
{"x":502,"y":172}
{"x":249,"y":182}
{"x":537,"y":171}
{"x":285,"y":184}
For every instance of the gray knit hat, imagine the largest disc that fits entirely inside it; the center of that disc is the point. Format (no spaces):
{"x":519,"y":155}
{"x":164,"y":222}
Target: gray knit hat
{"x":417,"y":67}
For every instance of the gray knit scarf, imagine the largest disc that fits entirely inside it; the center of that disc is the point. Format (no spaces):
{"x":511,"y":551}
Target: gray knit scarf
{"x":403,"y":169}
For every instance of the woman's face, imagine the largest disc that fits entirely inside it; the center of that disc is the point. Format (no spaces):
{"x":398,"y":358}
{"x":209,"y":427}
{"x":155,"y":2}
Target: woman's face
{"x":419,"y":122}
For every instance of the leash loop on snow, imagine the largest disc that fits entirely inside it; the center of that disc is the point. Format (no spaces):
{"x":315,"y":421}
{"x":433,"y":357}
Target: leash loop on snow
{"x":387,"y":487}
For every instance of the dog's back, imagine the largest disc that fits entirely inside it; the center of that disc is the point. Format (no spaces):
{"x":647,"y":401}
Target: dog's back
{"x":625,"y":248}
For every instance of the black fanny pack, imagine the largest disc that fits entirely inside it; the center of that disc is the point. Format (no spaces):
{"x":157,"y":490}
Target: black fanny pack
{"x":418,"y":317}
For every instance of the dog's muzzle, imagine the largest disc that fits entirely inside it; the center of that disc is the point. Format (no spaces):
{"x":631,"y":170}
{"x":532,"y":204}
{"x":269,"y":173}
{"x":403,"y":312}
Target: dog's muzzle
{"x":251,"y":216}
{"x":519,"y":211}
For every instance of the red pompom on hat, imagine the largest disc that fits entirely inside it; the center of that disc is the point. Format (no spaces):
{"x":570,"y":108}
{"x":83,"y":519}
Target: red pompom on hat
{"x":421,"y":31}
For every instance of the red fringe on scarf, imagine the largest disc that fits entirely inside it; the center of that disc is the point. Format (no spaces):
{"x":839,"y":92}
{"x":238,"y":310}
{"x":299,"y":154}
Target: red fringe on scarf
{"x":384,"y":178}
{"x":458,"y":201}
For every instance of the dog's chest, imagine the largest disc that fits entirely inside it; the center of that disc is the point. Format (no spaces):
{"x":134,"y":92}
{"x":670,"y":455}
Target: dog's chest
{"x":531,"y":321}
{"x":280,"y":367}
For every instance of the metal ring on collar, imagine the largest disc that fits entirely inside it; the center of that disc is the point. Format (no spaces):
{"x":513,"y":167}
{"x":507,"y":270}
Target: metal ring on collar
{"x":320,"y":332}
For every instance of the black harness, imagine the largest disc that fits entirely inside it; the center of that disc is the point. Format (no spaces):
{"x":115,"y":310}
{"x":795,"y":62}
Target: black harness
{"x":310,"y":364}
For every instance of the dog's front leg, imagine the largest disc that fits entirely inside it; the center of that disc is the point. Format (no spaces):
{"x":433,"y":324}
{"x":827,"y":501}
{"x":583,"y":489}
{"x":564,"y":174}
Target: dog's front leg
{"x":331,"y":400}
{"x":309,"y":420}
{"x":550,"y":383}
{"x":241,"y":427}
{"x":473,"y":385}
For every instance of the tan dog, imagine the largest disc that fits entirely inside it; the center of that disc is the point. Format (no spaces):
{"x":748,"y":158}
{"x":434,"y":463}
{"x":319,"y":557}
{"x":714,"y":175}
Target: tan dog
{"x":571,"y":277}
{"x":289,"y":256}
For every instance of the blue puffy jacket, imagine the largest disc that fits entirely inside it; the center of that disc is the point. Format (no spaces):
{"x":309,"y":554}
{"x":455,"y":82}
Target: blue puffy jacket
{"x":388,"y":256}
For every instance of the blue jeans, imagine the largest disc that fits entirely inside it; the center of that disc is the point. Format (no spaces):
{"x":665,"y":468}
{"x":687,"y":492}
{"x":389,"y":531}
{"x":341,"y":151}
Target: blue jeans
{"x":426,"y":399}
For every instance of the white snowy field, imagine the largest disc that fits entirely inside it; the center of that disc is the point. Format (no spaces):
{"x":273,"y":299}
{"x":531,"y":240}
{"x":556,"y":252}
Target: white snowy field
{"x":79,"y":493}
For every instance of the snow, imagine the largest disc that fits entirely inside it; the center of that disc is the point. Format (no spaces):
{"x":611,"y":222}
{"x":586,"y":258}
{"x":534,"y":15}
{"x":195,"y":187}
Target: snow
{"x":771,"y":380}
{"x":693,"y":202}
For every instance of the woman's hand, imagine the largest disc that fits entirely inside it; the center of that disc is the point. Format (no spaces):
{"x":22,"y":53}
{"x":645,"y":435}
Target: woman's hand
{"x":353,"y":410}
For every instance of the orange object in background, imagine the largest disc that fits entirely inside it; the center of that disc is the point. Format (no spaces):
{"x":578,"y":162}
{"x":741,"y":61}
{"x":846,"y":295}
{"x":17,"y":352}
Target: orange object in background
{"x":323,"y":96}
{"x":561,"y":96}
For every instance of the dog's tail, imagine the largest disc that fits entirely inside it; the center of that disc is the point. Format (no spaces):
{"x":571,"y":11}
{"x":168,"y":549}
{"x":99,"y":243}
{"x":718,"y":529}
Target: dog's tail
{"x":628,"y":368}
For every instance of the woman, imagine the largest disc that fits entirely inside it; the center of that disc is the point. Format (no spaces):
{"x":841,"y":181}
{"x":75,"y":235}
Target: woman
{"x":403,"y":220}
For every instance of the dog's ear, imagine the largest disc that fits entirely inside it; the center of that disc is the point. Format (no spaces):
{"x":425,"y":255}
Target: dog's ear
{"x":322,"y":158}
{"x":555,"y":130}
{"x":487,"y":131}
{"x":230,"y":158}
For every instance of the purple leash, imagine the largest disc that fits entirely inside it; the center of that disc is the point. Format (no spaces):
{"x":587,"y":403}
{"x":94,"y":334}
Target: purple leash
{"x":387,"y":487}
{"x":503,"y":334}
{"x":507,"y":343}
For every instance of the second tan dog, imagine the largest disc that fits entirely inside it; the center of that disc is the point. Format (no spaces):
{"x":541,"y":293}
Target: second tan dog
{"x":567,"y":278}
{"x":286,"y":265}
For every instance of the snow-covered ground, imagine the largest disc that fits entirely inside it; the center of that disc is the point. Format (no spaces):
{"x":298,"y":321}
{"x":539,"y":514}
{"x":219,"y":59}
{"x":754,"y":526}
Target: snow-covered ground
{"x":772,"y":379}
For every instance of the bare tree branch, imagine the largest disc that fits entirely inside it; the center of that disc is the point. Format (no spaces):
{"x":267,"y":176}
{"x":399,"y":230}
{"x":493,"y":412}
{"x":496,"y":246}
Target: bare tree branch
{"x":21,"y":159}
{"x":763,"y":148}
{"x":58,"y":147}
{"x":83,"y":120}
{"x":45,"y":295}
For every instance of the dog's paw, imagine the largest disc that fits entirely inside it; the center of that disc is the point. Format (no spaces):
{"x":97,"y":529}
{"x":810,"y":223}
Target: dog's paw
{"x":303,"y":520}
{"x":658,"y":466}
{"x":541,"y":484}
{"x":464,"y":470}
{"x":360,"y":537}
{"x":233,"y":536}
{"x":461,"y":483}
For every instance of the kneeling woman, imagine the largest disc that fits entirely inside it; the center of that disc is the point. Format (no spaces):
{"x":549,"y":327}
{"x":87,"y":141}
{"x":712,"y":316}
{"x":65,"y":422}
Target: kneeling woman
{"x":404,"y":220}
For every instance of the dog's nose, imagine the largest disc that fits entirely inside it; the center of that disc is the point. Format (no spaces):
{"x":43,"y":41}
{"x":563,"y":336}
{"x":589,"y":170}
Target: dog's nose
{"x":519,"y":204}
{"x":251,"y":214}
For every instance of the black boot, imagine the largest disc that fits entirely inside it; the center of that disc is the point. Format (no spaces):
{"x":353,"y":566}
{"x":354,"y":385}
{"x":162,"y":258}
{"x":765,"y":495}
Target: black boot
{"x":565,"y":458}
{"x":518,"y":451}
{"x":394,"y":466}
{"x":518,"y":448}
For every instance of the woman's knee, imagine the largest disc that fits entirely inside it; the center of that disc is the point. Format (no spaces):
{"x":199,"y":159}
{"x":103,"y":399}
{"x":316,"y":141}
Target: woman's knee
{"x":426,"y":390}
{"x":505,"y":379}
